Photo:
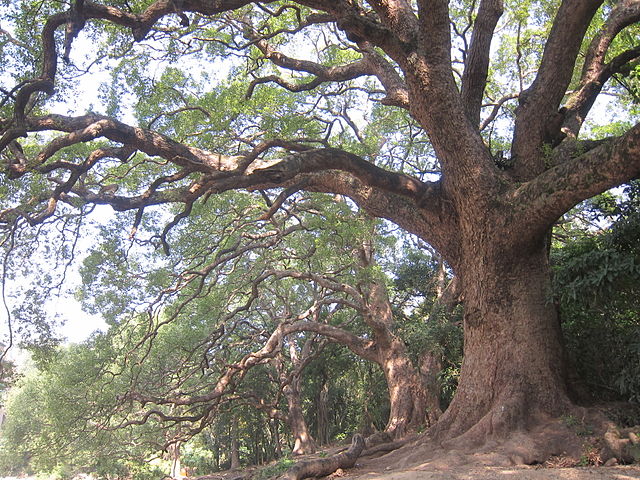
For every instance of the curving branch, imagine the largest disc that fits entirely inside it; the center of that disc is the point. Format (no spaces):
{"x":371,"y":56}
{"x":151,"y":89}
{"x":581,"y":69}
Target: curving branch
{"x":371,"y":64}
{"x":609,"y":163}
{"x":596,"y":71}
{"x":389,"y":194}
{"x":496,"y":106}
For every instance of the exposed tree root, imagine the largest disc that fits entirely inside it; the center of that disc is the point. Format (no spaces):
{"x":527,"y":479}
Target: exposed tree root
{"x":386,"y":447}
{"x":621,"y":445}
{"x":579,"y":438}
{"x":320,"y":467}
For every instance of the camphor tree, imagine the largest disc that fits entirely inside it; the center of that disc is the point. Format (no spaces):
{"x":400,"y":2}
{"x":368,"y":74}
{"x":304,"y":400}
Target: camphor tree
{"x":477,"y":80}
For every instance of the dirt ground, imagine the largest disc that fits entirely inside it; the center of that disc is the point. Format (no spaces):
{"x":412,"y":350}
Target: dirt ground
{"x":404,"y":464}
{"x":426,"y":472}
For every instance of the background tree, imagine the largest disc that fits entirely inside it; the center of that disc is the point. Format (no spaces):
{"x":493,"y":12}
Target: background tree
{"x":307,"y":275}
{"x":487,"y":213}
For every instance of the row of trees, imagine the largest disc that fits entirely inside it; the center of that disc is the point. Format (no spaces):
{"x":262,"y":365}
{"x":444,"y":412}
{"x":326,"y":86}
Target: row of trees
{"x":462,"y":123}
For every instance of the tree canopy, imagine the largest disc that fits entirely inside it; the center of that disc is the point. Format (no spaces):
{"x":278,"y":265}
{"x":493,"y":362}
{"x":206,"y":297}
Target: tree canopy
{"x":209,"y":127}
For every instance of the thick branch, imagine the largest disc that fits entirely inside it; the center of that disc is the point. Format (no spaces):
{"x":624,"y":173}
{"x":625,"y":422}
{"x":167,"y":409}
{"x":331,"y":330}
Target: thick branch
{"x":595,"y":71}
{"x":544,"y":199}
{"x":321,"y":280}
{"x":476,"y":68}
{"x":360,"y":25}
{"x":227,"y":380}
{"x":540,"y":102}
{"x":398,"y":15}
{"x":371,"y":64}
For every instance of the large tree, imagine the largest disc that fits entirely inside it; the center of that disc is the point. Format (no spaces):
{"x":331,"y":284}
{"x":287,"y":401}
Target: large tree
{"x":433,"y":62}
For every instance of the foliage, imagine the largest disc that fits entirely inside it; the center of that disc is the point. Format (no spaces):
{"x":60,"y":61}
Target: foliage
{"x":277,"y":469}
{"x":596,"y":281}
{"x":58,"y":418}
{"x":216,"y":130}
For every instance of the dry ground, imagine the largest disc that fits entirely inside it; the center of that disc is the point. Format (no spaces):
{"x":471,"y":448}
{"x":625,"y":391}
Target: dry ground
{"x":426,"y":472}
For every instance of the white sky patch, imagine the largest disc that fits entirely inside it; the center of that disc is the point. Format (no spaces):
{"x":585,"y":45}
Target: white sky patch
{"x":77,"y":325}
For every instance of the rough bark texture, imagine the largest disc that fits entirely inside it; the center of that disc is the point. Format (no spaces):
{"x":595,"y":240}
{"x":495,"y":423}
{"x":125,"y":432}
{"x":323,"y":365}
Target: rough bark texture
{"x":412,"y":405}
{"x":322,"y":414}
{"x":513,"y":368}
{"x":303,"y":442}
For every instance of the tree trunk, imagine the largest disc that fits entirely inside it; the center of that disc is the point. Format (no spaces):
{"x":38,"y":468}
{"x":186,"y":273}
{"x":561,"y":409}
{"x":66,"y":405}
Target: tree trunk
{"x":322,"y":414}
{"x":411,"y":404}
{"x":303,"y":442}
{"x":174,"y":456}
{"x":276,"y":438}
{"x":235,"y":445}
{"x":216,"y":454}
{"x":430,"y":366}
{"x":513,"y":367}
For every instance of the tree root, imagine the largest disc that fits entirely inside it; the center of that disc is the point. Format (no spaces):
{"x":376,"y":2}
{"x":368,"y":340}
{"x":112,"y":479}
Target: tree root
{"x":620,"y":446}
{"x":321,"y":467}
{"x":386,"y":447}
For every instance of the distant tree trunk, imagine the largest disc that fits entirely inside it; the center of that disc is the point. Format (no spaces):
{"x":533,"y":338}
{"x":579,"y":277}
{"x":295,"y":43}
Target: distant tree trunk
{"x":412,"y":405}
{"x":216,"y":454}
{"x":303,"y":441}
{"x":276,"y":437}
{"x":235,"y":445}
{"x":322,"y":413}
{"x":430,"y":366}
{"x":173,"y":451}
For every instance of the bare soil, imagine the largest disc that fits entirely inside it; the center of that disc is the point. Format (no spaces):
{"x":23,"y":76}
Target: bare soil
{"x":451,"y":464}
{"x":553,"y":449}
{"x":431,"y":472}
{"x":457,"y":466}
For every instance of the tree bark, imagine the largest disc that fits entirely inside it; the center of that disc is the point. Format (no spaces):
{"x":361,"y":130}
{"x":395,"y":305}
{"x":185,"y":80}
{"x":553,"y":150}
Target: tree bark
{"x":174,"y":455}
{"x":322,"y":414}
{"x":411,"y":405}
{"x":513,"y":367}
{"x":303,"y":441}
{"x":324,"y":466}
{"x":235,"y":445}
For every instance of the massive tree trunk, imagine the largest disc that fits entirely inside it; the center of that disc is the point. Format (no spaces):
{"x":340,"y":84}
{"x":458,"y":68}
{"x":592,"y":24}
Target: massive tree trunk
{"x":513,"y":367}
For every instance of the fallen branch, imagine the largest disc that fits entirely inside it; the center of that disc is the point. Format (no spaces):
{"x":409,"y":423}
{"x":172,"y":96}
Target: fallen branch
{"x":324,"y":466}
